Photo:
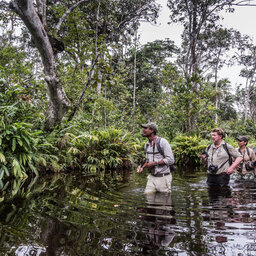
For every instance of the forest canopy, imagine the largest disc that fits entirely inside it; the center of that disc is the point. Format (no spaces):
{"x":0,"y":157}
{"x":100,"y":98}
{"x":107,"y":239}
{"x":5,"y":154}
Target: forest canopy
{"x":76,"y":67}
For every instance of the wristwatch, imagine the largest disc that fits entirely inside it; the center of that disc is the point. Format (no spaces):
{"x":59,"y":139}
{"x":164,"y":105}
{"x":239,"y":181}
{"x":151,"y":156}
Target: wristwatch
{"x":156,"y":164}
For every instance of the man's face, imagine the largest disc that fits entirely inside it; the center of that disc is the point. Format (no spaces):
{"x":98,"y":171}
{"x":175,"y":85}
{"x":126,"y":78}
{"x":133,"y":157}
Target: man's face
{"x":146,"y":132}
{"x":216,"y":137}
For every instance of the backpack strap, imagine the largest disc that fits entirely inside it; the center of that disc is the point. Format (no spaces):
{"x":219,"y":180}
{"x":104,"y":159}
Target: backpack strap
{"x":158,"y":140}
{"x":248,"y":153}
{"x":159,"y":147}
{"x":207,"y":149}
{"x":146,"y":148}
{"x":229,"y":156}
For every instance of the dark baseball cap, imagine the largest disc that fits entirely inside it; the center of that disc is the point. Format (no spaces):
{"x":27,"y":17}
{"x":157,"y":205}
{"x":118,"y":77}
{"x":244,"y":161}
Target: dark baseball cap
{"x":150,"y":125}
{"x":243,"y":138}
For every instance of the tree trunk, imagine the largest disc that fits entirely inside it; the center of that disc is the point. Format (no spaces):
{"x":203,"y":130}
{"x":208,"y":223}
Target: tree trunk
{"x":194,"y":34}
{"x":58,"y":102}
{"x":247,"y":98}
{"x":134,"y":82}
{"x":216,"y":86}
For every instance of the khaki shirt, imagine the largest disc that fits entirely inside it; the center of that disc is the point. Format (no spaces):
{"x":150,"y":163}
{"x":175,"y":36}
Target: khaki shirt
{"x":247,"y":158}
{"x":219,"y":156}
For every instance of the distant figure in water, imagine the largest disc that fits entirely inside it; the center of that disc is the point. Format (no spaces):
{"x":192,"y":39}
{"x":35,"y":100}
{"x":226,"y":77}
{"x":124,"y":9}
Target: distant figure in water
{"x":246,"y":169}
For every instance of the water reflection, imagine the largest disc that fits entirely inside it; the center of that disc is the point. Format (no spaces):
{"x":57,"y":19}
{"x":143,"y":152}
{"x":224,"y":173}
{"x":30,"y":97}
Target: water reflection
{"x":227,"y":216}
{"x":71,"y":215}
{"x":159,"y":219}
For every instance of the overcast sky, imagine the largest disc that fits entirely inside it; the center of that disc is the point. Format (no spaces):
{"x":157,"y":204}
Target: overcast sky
{"x":243,"y":20}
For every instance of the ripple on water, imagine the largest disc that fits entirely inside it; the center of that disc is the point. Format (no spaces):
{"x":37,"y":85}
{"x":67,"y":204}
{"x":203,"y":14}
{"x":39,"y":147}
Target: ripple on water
{"x":85,"y":216}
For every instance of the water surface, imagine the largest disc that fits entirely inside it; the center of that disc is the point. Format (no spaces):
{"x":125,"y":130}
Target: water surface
{"x":109,"y":215}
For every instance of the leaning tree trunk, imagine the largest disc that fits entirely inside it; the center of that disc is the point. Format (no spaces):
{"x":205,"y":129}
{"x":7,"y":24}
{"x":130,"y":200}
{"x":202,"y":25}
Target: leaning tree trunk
{"x":246,"y":102}
{"x":58,"y":102}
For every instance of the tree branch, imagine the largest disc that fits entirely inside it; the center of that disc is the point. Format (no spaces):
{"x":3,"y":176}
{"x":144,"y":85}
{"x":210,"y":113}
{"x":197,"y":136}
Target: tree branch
{"x":64,"y":16}
{"x":244,"y":3}
{"x":84,"y":90}
{"x":41,"y":6}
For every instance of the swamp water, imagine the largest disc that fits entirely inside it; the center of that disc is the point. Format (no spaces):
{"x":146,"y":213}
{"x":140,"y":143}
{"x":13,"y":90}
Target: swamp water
{"x":110,"y":215}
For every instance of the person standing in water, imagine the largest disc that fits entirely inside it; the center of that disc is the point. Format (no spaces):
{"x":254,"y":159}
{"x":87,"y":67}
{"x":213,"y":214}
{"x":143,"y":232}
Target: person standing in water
{"x":219,"y":157}
{"x":159,"y":159}
{"x":246,"y":169}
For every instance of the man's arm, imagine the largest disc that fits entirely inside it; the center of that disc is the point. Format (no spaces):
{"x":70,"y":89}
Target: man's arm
{"x":168,"y":154}
{"x":253,"y":157}
{"x":231,"y":168}
{"x":236,"y":155}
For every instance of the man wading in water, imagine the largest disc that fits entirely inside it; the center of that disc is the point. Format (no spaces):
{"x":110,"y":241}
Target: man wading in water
{"x":246,"y":169}
{"x":159,"y":158}
{"x":219,"y":156}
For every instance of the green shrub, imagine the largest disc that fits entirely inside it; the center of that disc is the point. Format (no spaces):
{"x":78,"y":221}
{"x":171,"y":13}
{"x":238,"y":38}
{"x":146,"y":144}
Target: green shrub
{"x":17,"y":150}
{"x":98,"y":150}
{"x":187,"y":149}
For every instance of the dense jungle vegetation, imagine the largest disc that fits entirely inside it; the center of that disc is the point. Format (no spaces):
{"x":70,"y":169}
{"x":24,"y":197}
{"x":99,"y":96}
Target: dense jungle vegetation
{"x":75,"y":83}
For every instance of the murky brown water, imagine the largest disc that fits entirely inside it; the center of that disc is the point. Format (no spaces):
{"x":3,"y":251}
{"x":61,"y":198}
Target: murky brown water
{"x":110,"y":215}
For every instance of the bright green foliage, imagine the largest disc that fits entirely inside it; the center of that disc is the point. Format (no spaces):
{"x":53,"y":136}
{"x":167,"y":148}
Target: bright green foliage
{"x":99,"y":150}
{"x":20,"y":142}
{"x":179,"y":101}
{"x":17,"y":149}
{"x":187,"y":149}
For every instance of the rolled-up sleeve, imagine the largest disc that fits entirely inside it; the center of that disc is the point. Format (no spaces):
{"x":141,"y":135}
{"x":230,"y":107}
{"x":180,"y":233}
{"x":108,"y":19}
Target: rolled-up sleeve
{"x":168,"y":154}
{"x":233,"y":152}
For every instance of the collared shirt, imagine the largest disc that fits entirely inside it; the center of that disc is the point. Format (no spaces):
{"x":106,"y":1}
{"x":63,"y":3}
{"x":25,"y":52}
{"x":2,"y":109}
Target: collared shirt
{"x":219,"y":156}
{"x":168,"y":157}
{"x":247,"y":158}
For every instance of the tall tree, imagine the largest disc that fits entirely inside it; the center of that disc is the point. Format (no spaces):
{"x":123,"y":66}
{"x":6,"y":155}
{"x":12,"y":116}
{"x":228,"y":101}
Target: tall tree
{"x":246,"y":58}
{"x":150,"y":60}
{"x":215,"y":45}
{"x":46,"y":22}
{"x":198,"y":17}
{"x":34,"y":17}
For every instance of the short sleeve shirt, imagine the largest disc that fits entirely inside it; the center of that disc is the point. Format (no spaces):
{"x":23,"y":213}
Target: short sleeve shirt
{"x":219,"y":156}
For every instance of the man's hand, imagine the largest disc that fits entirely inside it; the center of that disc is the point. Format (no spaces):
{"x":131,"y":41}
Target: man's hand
{"x":140,"y":169}
{"x":203,"y":158}
{"x":230,"y":170}
{"x":149,"y":165}
{"x":146,"y":165}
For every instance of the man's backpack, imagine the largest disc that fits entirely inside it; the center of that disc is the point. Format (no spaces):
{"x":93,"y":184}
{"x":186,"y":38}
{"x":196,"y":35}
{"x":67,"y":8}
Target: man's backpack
{"x":158,"y":139}
{"x":248,"y":153}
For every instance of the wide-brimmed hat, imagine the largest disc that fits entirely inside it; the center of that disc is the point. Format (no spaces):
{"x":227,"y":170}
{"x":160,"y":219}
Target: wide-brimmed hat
{"x":150,"y":125}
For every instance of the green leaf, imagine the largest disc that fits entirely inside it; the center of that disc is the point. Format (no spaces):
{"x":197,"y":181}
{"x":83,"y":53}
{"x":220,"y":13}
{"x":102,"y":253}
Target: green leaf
{"x":2,"y":158}
{"x":16,"y":168}
{"x":33,"y":168}
{"x":1,"y":174}
{"x":13,"y":144}
{"x":6,"y":170}
{"x":26,"y":139}
{"x":19,"y":141}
